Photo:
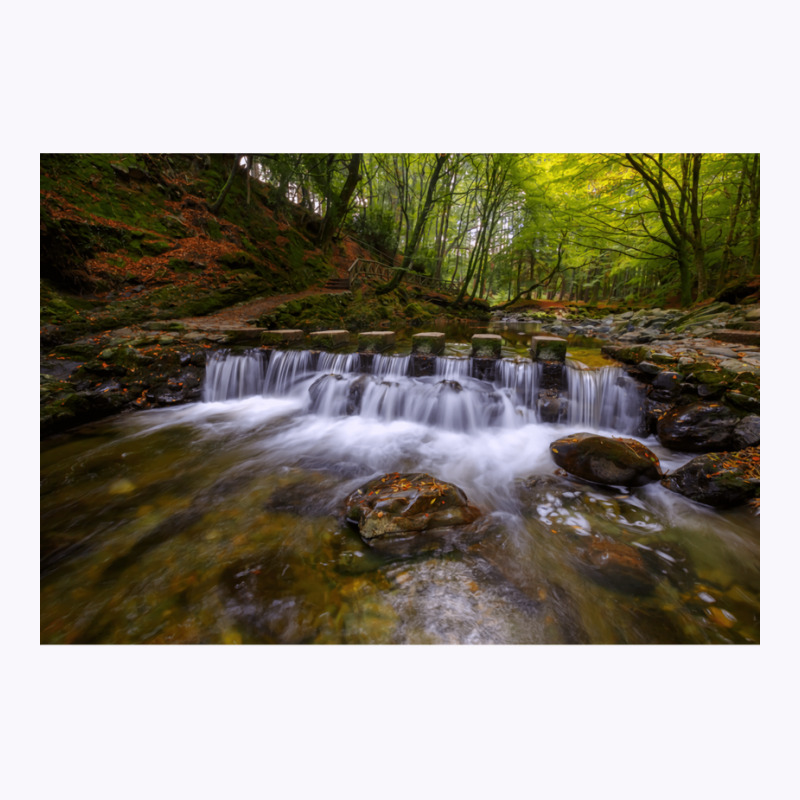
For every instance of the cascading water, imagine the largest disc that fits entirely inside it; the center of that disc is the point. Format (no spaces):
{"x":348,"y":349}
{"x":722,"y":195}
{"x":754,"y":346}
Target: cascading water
{"x":333,"y":384}
{"x":604,"y":398}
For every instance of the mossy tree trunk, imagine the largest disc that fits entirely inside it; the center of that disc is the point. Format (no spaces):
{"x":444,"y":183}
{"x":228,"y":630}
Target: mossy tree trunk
{"x":413,"y":242}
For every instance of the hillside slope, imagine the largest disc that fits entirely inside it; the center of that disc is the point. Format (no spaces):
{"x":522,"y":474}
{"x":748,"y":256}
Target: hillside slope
{"x":138,"y":278}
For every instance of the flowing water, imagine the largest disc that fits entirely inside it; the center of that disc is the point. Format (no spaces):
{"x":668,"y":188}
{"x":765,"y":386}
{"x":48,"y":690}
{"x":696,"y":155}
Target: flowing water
{"x":221,"y":521}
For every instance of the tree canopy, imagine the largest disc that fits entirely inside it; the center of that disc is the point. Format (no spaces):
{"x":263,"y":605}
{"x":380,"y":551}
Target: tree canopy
{"x":650,"y":227}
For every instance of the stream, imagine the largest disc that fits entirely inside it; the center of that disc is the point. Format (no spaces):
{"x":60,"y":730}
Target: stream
{"x":221,"y":521}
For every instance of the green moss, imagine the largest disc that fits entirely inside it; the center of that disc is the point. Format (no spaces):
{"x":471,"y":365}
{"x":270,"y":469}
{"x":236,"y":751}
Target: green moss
{"x":214,"y":231}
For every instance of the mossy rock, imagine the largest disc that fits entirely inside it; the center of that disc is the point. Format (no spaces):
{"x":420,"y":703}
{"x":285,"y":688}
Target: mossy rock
{"x":722,"y":480}
{"x":715,"y":377}
{"x":751,"y":404}
{"x":606,"y":460}
{"x":632,"y":355}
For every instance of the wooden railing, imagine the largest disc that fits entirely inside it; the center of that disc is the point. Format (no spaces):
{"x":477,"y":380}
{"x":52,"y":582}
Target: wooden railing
{"x":363,"y":270}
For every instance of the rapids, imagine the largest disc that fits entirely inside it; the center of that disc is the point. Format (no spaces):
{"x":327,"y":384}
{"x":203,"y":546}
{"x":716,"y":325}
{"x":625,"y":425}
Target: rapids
{"x":221,"y":521}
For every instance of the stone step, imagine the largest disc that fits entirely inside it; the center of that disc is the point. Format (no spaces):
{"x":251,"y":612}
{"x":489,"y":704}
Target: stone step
{"x":486,"y":345}
{"x":329,"y":340}
{"x":337,"y":285}
{"x":283,"y":338}
{"x":428,"y":343}
{"x":376,"y":341}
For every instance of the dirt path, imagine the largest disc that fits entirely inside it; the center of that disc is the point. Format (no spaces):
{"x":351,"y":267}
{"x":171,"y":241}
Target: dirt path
{"x":237,"y":316}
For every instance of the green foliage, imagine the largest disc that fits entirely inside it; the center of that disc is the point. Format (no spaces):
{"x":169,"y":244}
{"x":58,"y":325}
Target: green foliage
{"x":377,"y":229}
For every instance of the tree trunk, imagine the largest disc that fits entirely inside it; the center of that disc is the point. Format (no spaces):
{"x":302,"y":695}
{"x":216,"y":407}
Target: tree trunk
{"x":337,"y":206}
{"x":411,"y":247}
{"x":217,"y":204}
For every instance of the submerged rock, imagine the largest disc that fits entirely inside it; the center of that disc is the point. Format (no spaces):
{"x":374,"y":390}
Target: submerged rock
{"x":403,"y":512}
{"x":601,"y":459}
{"x":615,"y":565}
{"x":721,"y":480}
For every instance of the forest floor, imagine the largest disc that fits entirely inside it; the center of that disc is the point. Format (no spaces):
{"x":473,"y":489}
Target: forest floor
{"x":244,"y":315}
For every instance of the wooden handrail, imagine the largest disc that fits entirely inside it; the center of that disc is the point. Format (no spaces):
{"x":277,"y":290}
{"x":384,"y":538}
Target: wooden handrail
{"x":363,"y":267}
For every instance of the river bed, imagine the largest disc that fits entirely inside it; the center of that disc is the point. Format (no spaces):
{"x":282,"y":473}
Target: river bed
{"x":221,"y":521}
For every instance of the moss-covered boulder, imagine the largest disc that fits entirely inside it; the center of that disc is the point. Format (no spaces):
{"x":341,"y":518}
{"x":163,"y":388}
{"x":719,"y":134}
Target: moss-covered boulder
{"x":403,"y":511}
{"x":721,"y":480}
{"x":610,"y":461}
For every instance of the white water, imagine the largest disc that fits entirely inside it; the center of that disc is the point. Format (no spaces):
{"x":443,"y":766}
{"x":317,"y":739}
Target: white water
{"x":450,"y":400}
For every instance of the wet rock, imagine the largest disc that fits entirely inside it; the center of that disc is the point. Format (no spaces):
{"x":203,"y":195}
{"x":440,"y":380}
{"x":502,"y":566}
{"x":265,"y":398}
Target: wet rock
{"x":318,"y":390}
{"x":699,"y":428}
{"x":484,"y":369}
{"x":648,"y":367}
{"x":666,"y":385}
{"x":402,"y":512}
{"x":743,"y":401}
{"x":748,"y":431}
{"x":356,"y":393}
{"x":550,"y":407}
{"x":601,"y":459}
{"x":721,"y":480}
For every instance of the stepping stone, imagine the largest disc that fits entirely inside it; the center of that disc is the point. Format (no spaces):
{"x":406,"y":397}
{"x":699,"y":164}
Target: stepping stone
{"x":282,"y":337}
{"x":329,"y":340}
{"x":548,"y":348}
{"x":486,"y":345}
{"x":430,"y":343}
{"x":376,"y":341}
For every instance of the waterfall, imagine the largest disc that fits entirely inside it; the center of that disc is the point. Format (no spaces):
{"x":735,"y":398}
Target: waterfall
{"x":333,"y":385}
{"x":234,"y":377}
{"x":390,"y":366}
{"x":520,"y":376}
{"x":453,"y":368}
{"x":604,"y":398}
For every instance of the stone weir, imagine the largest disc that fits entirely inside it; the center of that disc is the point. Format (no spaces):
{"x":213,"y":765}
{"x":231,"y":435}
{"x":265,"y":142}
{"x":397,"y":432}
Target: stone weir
{"x":547,"y":392}
{"x":486,"y":350}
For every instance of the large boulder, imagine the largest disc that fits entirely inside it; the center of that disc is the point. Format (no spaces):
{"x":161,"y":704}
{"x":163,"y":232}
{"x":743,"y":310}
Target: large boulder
{"x":403,"y":512}
{"x":702,"y":428}
{"x":721,"y":480}
{"x":601,"y":459}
